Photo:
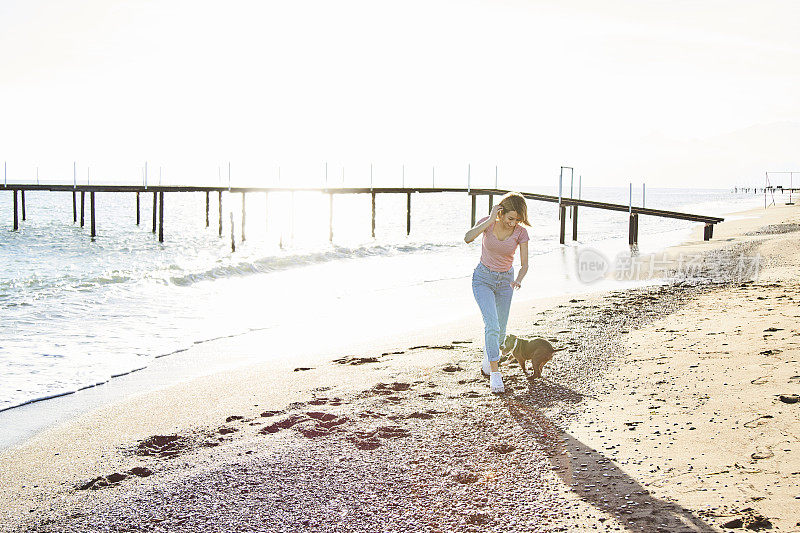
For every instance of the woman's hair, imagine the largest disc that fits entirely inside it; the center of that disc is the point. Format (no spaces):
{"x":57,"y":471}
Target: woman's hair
{"x":514,"y":201}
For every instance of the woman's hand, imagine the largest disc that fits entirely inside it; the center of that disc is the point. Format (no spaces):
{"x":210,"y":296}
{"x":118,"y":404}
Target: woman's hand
{"x":523,"y":259}
{"x":472,"y":234}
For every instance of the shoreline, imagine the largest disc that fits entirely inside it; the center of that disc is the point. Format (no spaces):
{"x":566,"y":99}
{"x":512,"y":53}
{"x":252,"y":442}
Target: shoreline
{"x":114,"y":422}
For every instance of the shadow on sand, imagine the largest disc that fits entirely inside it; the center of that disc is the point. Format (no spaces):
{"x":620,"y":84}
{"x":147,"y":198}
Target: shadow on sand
{"x":595,"y":478}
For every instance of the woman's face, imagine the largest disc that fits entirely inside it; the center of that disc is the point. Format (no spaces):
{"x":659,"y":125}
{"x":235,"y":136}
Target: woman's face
{"x":509,"y":219}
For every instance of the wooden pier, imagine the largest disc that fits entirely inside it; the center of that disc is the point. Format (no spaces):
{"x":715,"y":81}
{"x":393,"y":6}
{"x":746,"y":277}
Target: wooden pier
{"x":159,"y":193}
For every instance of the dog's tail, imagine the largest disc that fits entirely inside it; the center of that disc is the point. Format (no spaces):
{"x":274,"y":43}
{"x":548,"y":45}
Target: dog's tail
{"x":558,"y":349}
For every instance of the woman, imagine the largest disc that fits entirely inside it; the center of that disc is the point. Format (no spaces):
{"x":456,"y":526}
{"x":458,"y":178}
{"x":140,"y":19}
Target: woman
{"x":493,"y":281}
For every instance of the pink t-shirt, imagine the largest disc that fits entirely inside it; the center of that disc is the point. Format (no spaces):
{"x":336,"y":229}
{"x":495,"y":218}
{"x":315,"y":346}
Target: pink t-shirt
{"x":498,"y":255}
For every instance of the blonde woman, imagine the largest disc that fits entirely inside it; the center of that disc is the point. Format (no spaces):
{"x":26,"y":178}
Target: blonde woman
{"x":493,"y":280}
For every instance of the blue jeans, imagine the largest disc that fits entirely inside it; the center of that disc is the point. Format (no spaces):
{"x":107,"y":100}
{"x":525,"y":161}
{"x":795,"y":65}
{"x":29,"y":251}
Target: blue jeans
{"x":493,"y":292}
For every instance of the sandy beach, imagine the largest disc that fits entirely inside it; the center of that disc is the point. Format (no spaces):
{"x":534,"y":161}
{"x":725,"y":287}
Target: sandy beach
{"x":675,"y":408}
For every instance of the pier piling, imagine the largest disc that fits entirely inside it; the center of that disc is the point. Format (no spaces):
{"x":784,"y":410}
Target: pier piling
{"x":22,"y":198}
{"x":138,"y":209}
{"x":161,"y":216}
{"x":16,"y":220}
{"x":83,"y":193}
{"x":472,"y":212}
{"x":633,"y":229}
{"x":408,"y":213}
{"x":155,"y":211}
{"x":233,"y":235}
{"x":574,"y":222}
{"x":630,"y":230}
{"x":562,"y":216}
{"x":244,"y":214}
{"x":220,"y":213}
{"x":708,"y":231}
{"x":373,"y":215}
{"x":208,"y":201}
{"x":74,"y":209}
{"x":91,"y":209}
{"x":491,"y":203}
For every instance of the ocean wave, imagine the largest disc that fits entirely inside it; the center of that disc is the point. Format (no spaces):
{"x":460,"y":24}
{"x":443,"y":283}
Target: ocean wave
{"x":13,"y":288}
{"x":274,"y":263}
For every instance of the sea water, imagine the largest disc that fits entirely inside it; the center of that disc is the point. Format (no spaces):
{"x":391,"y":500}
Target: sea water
{"x":77,"y":312}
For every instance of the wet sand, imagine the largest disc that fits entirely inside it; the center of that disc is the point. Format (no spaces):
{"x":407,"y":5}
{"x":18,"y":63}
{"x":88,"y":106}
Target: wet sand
{"x":671,"y":410}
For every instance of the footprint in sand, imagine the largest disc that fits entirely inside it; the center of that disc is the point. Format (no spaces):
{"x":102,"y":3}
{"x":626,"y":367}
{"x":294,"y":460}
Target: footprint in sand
{"x":762,"y":453}
{"x":354,"y":360}
{"x":452,"y":368}
{"x":392,"y":399}
{"x":368,"y":440}
{"x":286,"y":423}
{"x":301,"y":368}
{"x":321,"y":424}
{"x":371,"y":414}
{"x":110,"y":480}
{"x":760,"y":421}
{"x":789,"y":398}
{"x":389,"y":388}
{"x":163,"y":446}
{"x":326,"y":401}
{"x":751,"y":520}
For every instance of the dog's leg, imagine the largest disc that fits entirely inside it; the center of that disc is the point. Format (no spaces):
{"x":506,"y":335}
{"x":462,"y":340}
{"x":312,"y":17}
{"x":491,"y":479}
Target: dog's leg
{"x":537,"y":364}
{"x":521,"y":361}
{"x":541,"y":365}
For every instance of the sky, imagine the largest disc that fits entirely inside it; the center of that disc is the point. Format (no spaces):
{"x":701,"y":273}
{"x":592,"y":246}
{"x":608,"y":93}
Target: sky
{"x":670,"y":93}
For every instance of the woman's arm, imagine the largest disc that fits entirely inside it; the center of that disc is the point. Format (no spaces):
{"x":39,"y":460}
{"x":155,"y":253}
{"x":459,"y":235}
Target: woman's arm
{"x":472,"y":234}
{"x":523,"y":258}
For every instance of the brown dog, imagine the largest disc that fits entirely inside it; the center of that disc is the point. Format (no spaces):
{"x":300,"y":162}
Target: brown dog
{"x":538,"y":351}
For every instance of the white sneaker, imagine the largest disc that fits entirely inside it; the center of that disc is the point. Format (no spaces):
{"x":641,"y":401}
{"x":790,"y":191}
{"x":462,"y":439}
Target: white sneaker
{"x":485,"y":366}
{"x":496,"y":382}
